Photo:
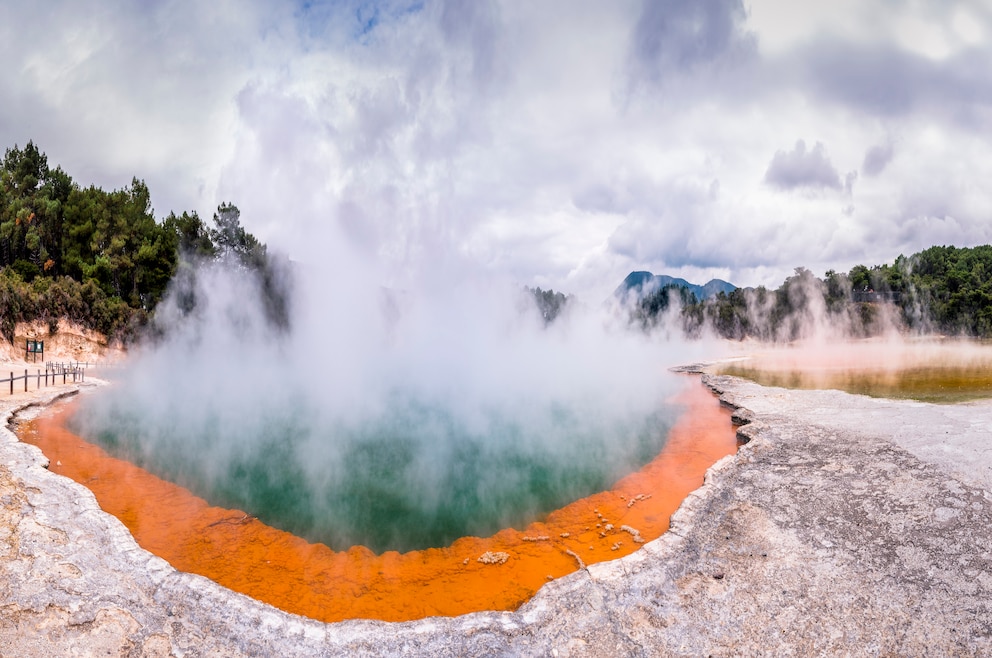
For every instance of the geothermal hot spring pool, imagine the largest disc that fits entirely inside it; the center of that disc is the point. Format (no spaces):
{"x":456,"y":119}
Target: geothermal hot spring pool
{"x":425,"y":516}
{"x":937,"y":370}
{"x":388,"y":453}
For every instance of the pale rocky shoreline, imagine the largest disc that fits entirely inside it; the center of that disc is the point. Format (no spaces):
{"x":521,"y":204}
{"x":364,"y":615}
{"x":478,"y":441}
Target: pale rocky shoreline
{"x":846,"y":526}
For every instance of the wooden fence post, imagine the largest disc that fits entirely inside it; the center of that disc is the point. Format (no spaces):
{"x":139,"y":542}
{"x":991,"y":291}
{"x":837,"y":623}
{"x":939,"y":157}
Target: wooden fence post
{"x":25,"y":381}
{"x":11,"y":383}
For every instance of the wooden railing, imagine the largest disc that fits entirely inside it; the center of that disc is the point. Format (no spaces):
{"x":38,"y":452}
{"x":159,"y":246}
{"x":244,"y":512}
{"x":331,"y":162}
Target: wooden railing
{"x":50,"y":377}
{"x":59,"y":366}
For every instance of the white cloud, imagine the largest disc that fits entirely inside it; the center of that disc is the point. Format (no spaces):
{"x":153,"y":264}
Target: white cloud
{"x":877,"y":158}
{"x":800,"y":168}
{"x":560,"y":144}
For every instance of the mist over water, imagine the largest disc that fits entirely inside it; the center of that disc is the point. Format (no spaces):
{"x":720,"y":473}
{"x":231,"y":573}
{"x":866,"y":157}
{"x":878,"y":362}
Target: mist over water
{"x":397,"y":418}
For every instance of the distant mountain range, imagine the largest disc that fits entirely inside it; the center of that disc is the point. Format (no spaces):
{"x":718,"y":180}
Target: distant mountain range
{"x":641,"y":283}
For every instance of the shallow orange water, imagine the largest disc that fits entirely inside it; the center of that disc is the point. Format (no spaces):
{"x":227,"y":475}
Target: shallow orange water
{"x":929,"y":369}
{"x":287,"y":572}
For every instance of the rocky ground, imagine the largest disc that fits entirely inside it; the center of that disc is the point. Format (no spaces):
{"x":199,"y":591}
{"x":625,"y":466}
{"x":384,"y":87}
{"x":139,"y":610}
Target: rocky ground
{"x":846,"y":526}
{"x":71,"y":342}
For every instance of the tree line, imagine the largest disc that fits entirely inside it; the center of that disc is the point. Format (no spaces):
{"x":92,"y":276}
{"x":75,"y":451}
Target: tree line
{"x":95,"y":257}
{"x":101,"y":259}
{"x":942,"y":289}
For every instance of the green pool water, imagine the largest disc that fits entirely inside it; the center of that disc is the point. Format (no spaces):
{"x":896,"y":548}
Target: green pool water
{"x":418,"y":477}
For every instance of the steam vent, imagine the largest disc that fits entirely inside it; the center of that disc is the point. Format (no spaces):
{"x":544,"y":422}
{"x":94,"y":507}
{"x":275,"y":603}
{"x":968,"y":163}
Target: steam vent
{"x":842,"y":523}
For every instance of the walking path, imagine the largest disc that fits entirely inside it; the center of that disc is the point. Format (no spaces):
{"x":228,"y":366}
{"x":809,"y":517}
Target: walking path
{"x":847,"y":525}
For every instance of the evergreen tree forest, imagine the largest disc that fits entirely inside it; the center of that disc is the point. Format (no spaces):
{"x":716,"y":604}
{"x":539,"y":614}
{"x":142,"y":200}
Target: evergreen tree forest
{"x":102,"y":259}
{"x":94,"y":257}
{"x":550,"y":304}
{"x":942,"y":289}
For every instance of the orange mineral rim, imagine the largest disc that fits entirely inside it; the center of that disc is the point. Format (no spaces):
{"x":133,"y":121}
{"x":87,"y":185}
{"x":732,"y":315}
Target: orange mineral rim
{"x":500,"y":572}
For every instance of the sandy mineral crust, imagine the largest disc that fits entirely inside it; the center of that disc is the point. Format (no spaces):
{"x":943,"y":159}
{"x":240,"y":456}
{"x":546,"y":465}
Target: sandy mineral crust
{"x":71,"y":342}
{"x":846,"y":526}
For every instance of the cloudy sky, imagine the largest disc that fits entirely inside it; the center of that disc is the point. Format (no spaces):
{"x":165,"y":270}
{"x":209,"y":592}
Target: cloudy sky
{"x":558,"y":143}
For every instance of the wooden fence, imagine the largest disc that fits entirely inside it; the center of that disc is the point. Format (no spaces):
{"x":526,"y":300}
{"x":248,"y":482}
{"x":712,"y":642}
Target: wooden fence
{"x":59,"y":366}
{"x":53,"y":372}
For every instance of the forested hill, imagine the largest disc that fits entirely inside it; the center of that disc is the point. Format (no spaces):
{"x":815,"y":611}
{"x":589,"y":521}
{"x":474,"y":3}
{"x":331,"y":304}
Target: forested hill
{"x":95,"y":257}
{"x":942,"y":289}
{"x":640,"y":284}
{"x":103,"y":260}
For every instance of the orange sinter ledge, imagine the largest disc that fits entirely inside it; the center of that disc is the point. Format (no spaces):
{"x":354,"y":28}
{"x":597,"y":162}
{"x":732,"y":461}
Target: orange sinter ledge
{"x":495,"y":573}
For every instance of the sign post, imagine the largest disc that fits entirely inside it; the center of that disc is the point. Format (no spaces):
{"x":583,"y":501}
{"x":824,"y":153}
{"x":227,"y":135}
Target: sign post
{"x":33,"y":348}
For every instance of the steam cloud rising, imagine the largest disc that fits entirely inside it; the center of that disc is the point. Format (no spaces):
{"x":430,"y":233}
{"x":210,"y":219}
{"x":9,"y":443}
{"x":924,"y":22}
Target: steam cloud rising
{"x":395,"y":418}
